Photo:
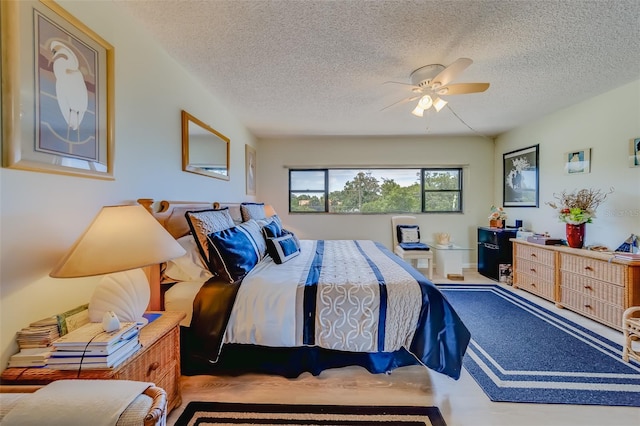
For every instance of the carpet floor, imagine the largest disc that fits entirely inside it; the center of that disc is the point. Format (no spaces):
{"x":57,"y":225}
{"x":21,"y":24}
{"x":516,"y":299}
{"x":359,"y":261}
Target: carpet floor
{"x":210,"y":413}
{"x":522,"y":352}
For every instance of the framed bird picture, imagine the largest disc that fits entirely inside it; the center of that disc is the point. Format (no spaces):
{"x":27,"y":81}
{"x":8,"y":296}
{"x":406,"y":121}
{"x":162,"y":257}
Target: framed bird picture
{"x":57,"y":92}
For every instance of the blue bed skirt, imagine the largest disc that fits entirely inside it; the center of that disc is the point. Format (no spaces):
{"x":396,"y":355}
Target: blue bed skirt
{"x":236,"y":359}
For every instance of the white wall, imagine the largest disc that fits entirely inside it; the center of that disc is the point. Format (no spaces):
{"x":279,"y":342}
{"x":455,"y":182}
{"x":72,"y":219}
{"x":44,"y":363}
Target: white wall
{"x":605,"y":124}
{"x":42,"y":214}
{"x":474,"y":153}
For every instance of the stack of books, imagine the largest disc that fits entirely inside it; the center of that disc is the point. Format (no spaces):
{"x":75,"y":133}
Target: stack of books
{"x":39,"y":334}
{"x":90,"y":347}
{"x":30,"y":358}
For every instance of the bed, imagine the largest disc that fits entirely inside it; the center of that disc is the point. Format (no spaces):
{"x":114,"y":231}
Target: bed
{"x":276,"y":304}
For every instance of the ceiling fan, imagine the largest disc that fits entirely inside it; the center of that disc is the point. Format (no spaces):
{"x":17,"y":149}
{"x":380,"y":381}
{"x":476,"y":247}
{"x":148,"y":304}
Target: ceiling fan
{"x":430,"y":82}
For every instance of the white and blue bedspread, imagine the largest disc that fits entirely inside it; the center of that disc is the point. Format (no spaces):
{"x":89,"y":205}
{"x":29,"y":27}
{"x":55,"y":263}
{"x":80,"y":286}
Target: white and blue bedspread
{"x":352,"y":296}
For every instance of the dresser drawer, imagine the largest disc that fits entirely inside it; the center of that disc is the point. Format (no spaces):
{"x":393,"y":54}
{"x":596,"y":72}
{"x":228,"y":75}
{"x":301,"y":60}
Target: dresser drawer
{"x":540,"y":271}
{"x":535,"y":285}
{"x":606,"y":292}
{"x":536,"y":254}
{"x":154,"y":363}
{"x":593,"y":268}
{"x":597,"y":309}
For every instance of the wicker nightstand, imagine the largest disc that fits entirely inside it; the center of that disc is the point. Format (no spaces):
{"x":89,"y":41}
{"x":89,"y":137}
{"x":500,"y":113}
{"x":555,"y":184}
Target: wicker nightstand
{"x":158,"y":361}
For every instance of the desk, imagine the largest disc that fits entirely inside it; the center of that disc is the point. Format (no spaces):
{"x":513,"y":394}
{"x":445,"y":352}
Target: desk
{"x":448,"y":258}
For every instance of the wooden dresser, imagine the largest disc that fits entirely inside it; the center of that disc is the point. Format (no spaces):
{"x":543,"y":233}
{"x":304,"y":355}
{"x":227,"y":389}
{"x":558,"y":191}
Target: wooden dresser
{"x":593,"y":284}
{"x":158,"y":361}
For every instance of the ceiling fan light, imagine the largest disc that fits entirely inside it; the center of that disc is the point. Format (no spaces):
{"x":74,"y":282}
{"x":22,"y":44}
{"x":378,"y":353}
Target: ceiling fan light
{"x":418,"y":112}
{"x":439,"y":103}
{"x":425,"y":102}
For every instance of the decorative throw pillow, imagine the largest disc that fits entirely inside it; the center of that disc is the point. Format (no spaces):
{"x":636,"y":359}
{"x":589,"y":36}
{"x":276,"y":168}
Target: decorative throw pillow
{"x":252,"y":211}
{"x":408,"y":233}
{"x":273,"y":228}
{"x":189,"y":267}
{"x":204,"y":222}
{"x":283,"y":248}
{"x":235,"y":251}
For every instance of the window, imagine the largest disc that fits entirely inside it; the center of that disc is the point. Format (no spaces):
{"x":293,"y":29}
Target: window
{"x":425,"y":190}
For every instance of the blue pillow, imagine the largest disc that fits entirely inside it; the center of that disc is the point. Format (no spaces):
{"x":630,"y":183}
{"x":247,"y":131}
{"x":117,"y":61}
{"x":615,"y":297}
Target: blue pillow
{"x":414,"y":246}
{"x":273,"y":229}
{"x":283,"y":248}
{"x":234,"y":252}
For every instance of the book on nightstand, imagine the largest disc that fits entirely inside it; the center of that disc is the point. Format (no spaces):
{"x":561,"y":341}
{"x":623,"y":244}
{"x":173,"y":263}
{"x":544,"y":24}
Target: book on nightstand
{"x":63,"y":361}
{"x":30,"y":357}
{"x":89,"y":346}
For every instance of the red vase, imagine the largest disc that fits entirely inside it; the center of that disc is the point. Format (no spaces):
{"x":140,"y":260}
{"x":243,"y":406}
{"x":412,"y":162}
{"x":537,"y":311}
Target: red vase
{"x":575,"y":235}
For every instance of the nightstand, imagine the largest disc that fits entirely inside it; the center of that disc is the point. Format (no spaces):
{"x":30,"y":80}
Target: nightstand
{"x":158,"y":361}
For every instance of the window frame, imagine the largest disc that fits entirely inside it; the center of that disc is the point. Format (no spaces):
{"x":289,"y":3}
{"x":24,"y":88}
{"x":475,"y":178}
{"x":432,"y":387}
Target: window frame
{"x":422,"y":170}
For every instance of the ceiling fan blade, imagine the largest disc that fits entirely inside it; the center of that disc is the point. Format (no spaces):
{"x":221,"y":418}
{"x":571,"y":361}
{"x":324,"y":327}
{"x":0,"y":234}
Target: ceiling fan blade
{"x":462,"y":88}
{"x":404,"y":84}
{"x":452,"y":71}
{"x":401,"y":101}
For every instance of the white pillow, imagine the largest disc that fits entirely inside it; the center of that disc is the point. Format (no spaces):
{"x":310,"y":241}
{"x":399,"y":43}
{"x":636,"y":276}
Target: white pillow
{"x":189,"y":267}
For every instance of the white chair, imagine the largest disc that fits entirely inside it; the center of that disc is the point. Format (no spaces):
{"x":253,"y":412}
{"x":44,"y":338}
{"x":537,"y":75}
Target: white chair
{"x":410,"y":255}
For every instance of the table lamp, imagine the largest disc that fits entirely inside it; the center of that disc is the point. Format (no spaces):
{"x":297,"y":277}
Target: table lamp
{"x":119,"y":241}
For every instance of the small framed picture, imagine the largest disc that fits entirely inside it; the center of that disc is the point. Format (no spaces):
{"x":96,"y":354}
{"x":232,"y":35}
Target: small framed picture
{"x":634,"y":152}
{"x":577,"y":161}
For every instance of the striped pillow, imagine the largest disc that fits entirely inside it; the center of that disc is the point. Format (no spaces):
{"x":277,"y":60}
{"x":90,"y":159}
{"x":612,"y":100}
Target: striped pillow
{"x":283,"y":248}
{"x":236,"y":251}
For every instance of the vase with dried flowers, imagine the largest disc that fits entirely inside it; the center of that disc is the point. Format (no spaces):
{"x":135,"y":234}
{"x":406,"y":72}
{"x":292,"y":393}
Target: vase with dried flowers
{"x":497,"y":217}
{"x":576,"y":209}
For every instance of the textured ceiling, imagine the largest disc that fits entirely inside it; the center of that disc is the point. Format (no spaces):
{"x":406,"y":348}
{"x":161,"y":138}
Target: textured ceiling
{"x":292,"y":68}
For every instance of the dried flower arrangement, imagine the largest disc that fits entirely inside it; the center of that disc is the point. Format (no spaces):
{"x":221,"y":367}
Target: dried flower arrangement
{"x":578,"y":206}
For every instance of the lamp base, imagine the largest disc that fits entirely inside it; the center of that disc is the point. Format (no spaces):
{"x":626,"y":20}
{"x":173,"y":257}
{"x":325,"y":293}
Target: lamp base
{"x":125,"y":293}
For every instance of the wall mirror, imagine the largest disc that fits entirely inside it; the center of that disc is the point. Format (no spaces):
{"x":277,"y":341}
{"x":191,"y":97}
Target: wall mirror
{"x":205,"y":151}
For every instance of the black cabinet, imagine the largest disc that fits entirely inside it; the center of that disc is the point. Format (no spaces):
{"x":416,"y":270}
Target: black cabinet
{"x":494,"y":249}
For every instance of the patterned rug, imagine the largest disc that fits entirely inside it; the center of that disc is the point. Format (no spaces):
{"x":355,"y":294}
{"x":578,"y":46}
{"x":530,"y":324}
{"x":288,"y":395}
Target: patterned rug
{"x":216,"y":413}
{"x":523,"y":352}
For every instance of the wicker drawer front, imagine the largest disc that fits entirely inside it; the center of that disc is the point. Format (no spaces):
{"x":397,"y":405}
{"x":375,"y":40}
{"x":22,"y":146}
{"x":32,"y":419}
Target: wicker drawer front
{"x":535,"y":254}
{"x":169,"y":382}
{"x":591,"y":307}
{"x":593,"y":268}
{"x":535,"y":269}
{"x":155,"y":362}
{"x":535,"y":285}
{"x":606,"y":292}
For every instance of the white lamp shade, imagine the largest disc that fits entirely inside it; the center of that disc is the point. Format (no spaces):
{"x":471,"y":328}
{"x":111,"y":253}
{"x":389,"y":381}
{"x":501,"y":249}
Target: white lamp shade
{"x":120,"y":238}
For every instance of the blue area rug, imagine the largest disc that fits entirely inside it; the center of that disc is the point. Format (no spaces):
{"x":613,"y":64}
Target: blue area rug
{"x":522,"y":352}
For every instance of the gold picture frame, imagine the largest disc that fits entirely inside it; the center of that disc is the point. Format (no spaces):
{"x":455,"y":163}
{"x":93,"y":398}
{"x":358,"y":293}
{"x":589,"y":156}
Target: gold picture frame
{"x":250,"y":169}
{"x":57,"y":92}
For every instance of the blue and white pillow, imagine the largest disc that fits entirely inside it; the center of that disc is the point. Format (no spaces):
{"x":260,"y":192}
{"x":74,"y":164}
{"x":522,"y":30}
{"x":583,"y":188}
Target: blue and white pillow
{"x":408,"y":233}
{"x":204,"y":222}
{"x":252,"y":211}
{"x":272,"y":228}
{"x":236,"y":251}
{"x":283,"y":248}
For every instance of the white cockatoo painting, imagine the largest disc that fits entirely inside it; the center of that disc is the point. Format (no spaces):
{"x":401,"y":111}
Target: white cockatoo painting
{"x":71,"y":90}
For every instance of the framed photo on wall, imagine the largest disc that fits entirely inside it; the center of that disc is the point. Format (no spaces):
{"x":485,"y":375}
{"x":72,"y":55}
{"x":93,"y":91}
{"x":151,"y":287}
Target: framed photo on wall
{"x":634,"y":152}
{"x":577,"y":161}
{"x":520,"y":183}
{"x":57,"y":92}
{"x":250,"y":169}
